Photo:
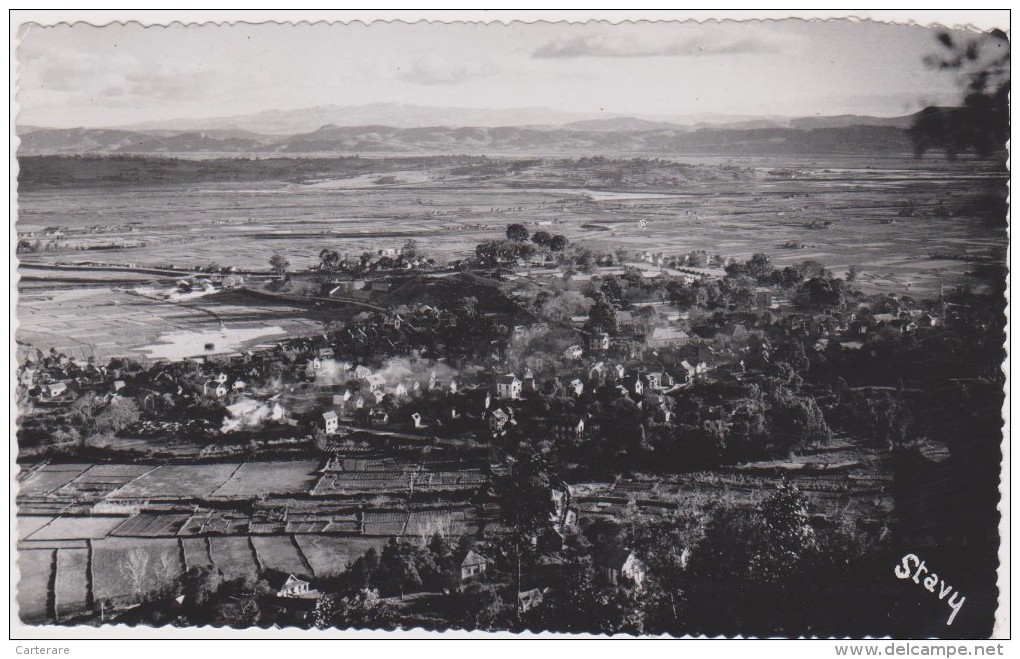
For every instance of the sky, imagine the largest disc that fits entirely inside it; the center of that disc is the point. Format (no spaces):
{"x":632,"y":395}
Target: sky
{"x":118,"y":75}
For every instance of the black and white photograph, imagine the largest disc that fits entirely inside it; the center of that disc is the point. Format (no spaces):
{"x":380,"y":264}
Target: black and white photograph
{"x":494,"y":328}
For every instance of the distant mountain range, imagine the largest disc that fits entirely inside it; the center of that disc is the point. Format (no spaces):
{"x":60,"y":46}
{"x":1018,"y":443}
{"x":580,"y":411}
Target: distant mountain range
{"x":408,"y":129}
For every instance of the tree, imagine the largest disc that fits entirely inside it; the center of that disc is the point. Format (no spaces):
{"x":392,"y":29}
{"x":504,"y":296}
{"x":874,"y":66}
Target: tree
{"x":541,"y":238}
{"x":526,"y":499}
{"x":238,"y":603}
{"x":362,"y":609}
{"x":118,"y":415}
{"x":279,"y":264}
{"x":84,"y":411}
{"x":788,"y":536}
{"x":982,"y":122}
{"x":517,"y":233}
{"x":483,"y":606}
{"x":135,"y":568}
{"x":199,"y":585}
{"x":410,"y":250}
{"x":558,"y":243}
{"x":398,"y":569}
{"x":602,"y":315}
{"x":759,"y":266}
{"x":329,"y":261}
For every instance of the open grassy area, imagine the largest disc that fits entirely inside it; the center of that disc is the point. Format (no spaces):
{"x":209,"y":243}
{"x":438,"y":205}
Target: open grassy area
{"x":35,"y":567}
{"x":123,"y":569}
{"x":178,"y":481}
{"x":281,"y":554}
{"x":233,"y":555}
{"x":71,"y":589}
{"x":329,"y":555}
{"x":253,"y":479}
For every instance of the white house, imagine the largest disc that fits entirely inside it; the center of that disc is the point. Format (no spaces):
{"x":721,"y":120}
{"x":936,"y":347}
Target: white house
{"x":330,"y":422}
{"x":508,"y":387}
{"x":214,"y":388}
{"x":294,"y":587}
{"x":573,"y":352}
{"x":52,"y":390}
{"x":615,"y":564}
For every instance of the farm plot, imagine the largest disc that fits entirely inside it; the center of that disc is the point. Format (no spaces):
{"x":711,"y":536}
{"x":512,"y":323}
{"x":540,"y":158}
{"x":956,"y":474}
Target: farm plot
{"x":100,"y":480}
{"x":263,"y":478}
{"x":72,"y":583}
{"x":385,"y":523}
{"x":362,"y":481}
{"x":50,"y":478}
{"x":280,"y":553}
{"x":177,"y":482}
{"x":33,"y":587}
{"x":426,"y":523}
{"x":196,"y":552}
{"x":29,"y":524}
{"x":148,"y":525}
{"x":233,"y":555}
{"x":329,"y":555}
{"x":126,"y":569}
{"x":77,"y":528}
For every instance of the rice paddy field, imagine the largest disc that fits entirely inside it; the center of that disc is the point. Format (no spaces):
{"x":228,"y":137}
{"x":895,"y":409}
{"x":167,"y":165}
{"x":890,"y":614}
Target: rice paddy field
{"x":728,"y":206}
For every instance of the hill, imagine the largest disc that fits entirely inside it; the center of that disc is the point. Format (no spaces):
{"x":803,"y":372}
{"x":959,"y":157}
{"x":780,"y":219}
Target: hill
{"x":382,"y":139}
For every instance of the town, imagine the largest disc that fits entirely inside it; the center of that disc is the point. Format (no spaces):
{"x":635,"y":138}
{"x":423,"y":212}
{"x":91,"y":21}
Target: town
{"x":543,"y":436}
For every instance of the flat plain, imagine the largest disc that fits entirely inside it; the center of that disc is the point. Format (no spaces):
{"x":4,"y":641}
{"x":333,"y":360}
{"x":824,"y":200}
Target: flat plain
{"x":882,"y":215}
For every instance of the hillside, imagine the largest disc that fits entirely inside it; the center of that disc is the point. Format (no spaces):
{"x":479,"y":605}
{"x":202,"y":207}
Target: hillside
{"x":630,"y":138}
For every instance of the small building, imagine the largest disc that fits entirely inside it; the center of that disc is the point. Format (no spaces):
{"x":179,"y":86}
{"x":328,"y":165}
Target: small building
{"x":598,"y":341}
{"x":616,"y":565}
{"x":214,"y":388}
{"x":508,"y":387}
{"x":375,"y":382}
{"x":529,"y":599}
{"x":398,"y":391}
{"x":573,"y":352}
{"x":372,"y":416}
{"x":52,"y":390}
{"x":653,"y":381}
{"x":664,"y":337}
{"x":634,"y":384}
{"x":294,"y":587}
{"x":324,"y":353}
{"x":576,"y":387}
{"x":362,"y":372}
{"x":498,"y":420}
{"x":472,"y":566}
{"x":330,"y":422}
{"x":570,"y":428}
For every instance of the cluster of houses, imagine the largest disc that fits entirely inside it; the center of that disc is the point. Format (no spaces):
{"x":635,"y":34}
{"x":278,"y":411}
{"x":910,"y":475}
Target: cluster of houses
{"x":58,"y":377}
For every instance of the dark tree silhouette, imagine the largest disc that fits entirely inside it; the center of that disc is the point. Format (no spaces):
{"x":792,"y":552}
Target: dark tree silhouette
{"x":981,"y":123}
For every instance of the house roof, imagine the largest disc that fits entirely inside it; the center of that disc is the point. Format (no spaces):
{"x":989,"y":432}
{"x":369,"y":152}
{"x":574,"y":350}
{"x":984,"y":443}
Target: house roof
{"x":611,"y":556}
{"x":668,"y":334}
{"x":509,"y":378}
{"x":329,"y":416}
{"x":472,"y":558}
